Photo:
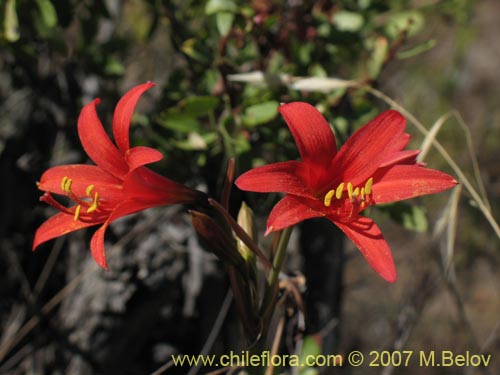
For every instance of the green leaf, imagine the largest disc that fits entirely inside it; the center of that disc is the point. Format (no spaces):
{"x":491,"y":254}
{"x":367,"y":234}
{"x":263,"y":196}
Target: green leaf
{"x":196,"y":141}
{"x":192,"y":48}
{"x":409,"y":216}
{"x":48,"y":13}
{"x":261,"y":113}
{"x":377,"y":59}
{"x":179,"y":122}
{"x":198,"y":105}
{"x":217,"y":6}
{"x":114,"y":67}
{"x":348,"y":21}
{"x":11,"y":23}
{"x":411,"y":22}
{"x":224,"y":21}
{"x":241,"y":145}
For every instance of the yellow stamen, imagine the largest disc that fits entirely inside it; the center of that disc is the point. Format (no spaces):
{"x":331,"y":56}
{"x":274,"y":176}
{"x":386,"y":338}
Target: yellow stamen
{"x":63,"y":183}
{"x":368,"y":186}
{"x":363,"y":193}
{"x":66,"y":184}
{"x":95,"y":203}
{"x":349,"y":189}
{"x":77,"y":212}
{"x":89,"y":189}
{"x":355,"y":193}
{"x":340,"y":188}
{"x":328,"y":197}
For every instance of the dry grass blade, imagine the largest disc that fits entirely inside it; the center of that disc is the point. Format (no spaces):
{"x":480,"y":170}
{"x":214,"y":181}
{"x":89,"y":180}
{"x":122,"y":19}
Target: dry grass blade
{"x":482,"y":206}
{"x":431,"y":136}
{"x":451,"y":231}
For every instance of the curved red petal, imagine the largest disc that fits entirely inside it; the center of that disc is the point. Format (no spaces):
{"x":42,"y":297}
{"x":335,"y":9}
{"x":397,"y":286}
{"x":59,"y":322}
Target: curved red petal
{"x":409,"y":181}
{"x":97,"y":242}
{"x":151,"y":189}
{"x":140,"y":155}
{"x":291,"y":210}
{"x":367,"y":236}
{"x":56,"y":226}
{"x":312,"y":134}
{"x":400,"y":157}
{"x":123,"y":114}
{"x":97,"y":144}
{"x":368,"y":147}
{"x":282,"y":177}
{"x":82,"y":177}
{"x":97,"y":249}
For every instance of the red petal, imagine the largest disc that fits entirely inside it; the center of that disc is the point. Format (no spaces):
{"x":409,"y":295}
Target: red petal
{"x":367,"y":236}
{"x":367,"y":148}
{"x":82,"y":176}
{"x":277,"y":177}
{"x":97,"y":144}
{"x":153,"y":189}
{"x":140,"y":155}
{"x":123,"y":114}
{"x":97,"y":242}
{"x":289,"y":211}
{"x":312,"y":134}
{"x":401,"y":157}
{"x":408,"y":181}
{"x":56,"y":226}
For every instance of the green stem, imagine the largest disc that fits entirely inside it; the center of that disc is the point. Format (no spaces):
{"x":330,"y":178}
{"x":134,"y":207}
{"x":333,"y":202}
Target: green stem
{"x":269,"y":301}
{"x":279,"y":257}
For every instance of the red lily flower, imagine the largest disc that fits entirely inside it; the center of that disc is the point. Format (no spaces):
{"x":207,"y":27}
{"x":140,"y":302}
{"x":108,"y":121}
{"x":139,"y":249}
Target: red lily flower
{"x":371,"y":167}
{"x":117,"y":186}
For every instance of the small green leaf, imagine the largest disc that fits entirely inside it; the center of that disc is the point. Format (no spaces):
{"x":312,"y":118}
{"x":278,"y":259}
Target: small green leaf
{"x":191,"y":48}
{"x":48,"y":13}
{"x":179,"y":122}
{"x":348,"y":21}
{"x":198,"y":105}
{"x":409,"y":216}
{"x":11,"y":23}
{"x":261,"y":113}
{"x":196,"y":141}
{"x":377,"y":59}
{"x":224,"y":21}
{"x":217,"y":6}
{"x":411,"y":22}
{"x":114,"y":67}
{"x":241,"y":145}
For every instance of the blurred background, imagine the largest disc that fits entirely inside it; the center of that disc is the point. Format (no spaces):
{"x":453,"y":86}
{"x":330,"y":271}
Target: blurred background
{"x":61,"y":314}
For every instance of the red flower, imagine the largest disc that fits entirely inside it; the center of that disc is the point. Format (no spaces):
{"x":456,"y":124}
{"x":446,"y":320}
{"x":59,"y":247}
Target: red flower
{"x":370,"y":168}
{"x":117,"y":186}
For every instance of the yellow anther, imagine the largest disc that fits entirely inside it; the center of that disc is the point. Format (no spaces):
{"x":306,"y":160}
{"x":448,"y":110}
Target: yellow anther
{"x":349,"y":190}
{"x":66,"y":184}
{"x":328,"y":197}
{"x":368,"y":186}
{"x":363,"y":193}
{"x":89,"y":189}
{"x":340,"y":188}
{"x":355,"y":193}
{"x":77,"y":212}
{"x":63,"y":183}
{"x":95,"y":203}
